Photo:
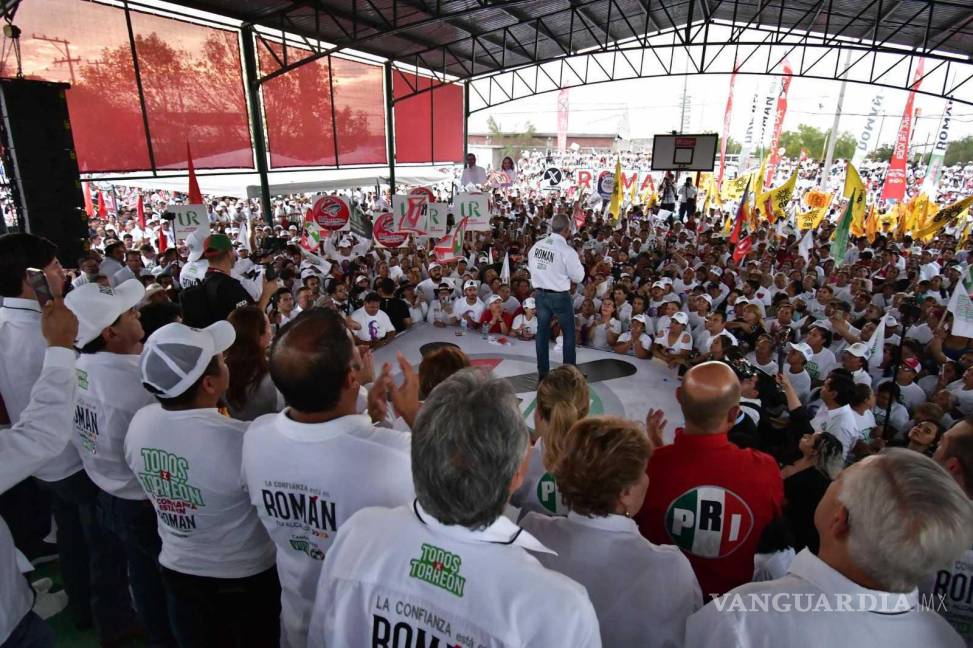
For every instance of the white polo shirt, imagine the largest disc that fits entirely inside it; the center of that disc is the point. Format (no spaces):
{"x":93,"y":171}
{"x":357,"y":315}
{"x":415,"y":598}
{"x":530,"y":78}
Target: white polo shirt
{"x":22,"y":353}
{"x":841,"y":422}
{"x":188,"y":463}
{"x":306,"y":480}
{"x":554,"y":264}
{"x":373,"y":327}
{"x":398,"y":577}
{"x":42,"y":431}
{"x":954,"y":584}
{"x":109,"y":394}
{"x":642,"y":593}
{"x":881,"y":618}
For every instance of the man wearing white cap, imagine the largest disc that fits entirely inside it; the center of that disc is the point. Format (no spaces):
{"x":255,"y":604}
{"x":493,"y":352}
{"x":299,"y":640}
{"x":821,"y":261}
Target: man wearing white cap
{"x":427,"y":288}
{"x":468,"y":309}
{"x":109,"y":393}
{"x":312,"y":466}
{"x":217,"y":559}
{"x":798,"y":355}
{"x":193,"y":271}
{"x":855,"y":360}
{"x":347,"y":251}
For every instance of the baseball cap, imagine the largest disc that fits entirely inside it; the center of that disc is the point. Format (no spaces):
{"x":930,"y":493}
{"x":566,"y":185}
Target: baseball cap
{"x":641,"y":318}
{"x":445,"y":286}
{"x":912,"y":365}
{"x":152,"y":289}
{"x":890,"y":321}
{"x":194,"y":242}
{"x":494,"y":299}
{"x":216,"y":244}
{"x":97,"y":306}
{"x":433,"y":266}
{"x":345,"y":242}
{"x":803,"y":348}
{"x":824,"y":325}
{"x":707,"y":298}
{"x":176,"y":355}
{"x":470,"y":284}
{"x":530,"y":303}
{"x":858,"y":349}
{"x":680,"y":317}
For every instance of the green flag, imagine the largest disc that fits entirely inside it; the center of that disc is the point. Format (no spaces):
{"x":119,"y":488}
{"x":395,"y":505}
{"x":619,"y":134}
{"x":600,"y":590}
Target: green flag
{"x":839,"y":244}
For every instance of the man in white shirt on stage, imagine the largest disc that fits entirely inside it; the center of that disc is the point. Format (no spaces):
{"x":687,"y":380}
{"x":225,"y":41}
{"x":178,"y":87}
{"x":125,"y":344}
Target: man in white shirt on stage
{"x":472,"y":174}
{"x":553,"y":266}
{"x":860,"y":589}
{"x":450,"y":568}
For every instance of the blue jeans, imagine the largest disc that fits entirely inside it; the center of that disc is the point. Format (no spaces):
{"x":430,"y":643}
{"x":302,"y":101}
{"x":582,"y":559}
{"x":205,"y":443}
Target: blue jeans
{"x":31,"y":632}
{"x":560,"y":306}
{"x":134,"y":522}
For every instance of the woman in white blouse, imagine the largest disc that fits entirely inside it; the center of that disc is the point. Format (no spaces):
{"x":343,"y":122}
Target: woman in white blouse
{"x":604,"y":333}
{"x":675,"y":343}
{"x":525,"y":324}
{"x":642,"y":593}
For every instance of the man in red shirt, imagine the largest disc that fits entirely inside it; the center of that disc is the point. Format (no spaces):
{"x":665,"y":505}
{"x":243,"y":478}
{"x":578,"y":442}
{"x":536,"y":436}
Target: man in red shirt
{"x":707,"y":496}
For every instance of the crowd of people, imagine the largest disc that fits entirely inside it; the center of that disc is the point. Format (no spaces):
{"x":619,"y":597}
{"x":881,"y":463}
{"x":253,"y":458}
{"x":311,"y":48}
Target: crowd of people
{"x":226,"y":465}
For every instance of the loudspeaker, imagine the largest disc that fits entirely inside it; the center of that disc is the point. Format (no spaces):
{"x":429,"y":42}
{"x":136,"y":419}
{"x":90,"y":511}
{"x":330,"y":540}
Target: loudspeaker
{"x":41,"y":165}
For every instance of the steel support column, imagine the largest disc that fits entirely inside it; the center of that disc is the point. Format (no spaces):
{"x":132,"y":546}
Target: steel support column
{"x":466,"y":120}
{"x":256,"y":118}
{"x":390,"y":123}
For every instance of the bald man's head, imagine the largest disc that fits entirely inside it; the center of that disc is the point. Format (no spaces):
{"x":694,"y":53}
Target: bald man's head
{"x":311,"y":359}
{"x":710,"y":398}
{"x":955,"y":454}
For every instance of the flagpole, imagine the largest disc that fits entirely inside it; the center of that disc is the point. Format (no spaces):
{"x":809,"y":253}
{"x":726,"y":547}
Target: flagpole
{"x":833,"y":137}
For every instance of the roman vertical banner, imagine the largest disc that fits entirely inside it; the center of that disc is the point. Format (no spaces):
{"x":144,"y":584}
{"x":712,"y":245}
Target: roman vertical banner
{"x":866,"y":139}
{"x":562,"y":121}
{"x":894,"y":187}
{"x":778,"y":125}
{"x":727,"y":114}
{"x":935,"y":168}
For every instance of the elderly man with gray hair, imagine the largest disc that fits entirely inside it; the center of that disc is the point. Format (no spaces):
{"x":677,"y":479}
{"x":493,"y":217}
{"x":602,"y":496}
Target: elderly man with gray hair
{"x":450,"y":569}
{"x":885,"y":524}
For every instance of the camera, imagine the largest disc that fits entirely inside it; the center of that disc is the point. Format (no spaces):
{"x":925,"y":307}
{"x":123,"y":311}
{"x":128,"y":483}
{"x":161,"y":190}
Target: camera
{"x":169,"y":215}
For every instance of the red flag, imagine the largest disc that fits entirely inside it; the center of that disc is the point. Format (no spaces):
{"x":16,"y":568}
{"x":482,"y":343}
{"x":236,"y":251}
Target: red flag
{"x":578,"y":215}
{"x":894,"y":187}
{"x":450,"y":247}
{"x":163,"y":243}
{"x":726,"y":128}
{"x":778,"y":126}
{"x":742,"y":249}
{"x":102,"y":207}
{"x":742,"y":214}
{"x":89,"y":207}
{"x":141,"y":212}
{"x":195,"y":196}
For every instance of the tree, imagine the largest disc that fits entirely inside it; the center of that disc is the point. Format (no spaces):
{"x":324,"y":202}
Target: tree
{"x":882,"y":153}
{"x":733,"y":147}
{"x":959,"y":151}
{"x":844,"y":148}
{"x":512,"y":143}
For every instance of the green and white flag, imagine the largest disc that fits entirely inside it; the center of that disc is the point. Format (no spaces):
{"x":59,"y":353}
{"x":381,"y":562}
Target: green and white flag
{"x":839,"y":244}
{"x":961,"y":306}
{"x":876,"y":346}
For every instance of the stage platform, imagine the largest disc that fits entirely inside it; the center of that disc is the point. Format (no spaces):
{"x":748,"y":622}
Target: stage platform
{"x":620,"y":385}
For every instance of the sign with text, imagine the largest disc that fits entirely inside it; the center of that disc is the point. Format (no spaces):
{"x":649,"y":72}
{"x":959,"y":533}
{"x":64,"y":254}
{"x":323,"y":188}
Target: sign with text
{"x":189,"y":218}
{"x":642,"y":179}
{"x":384,"y":234}
{"x":436,"y":219}
{"x":410,"y":212}
{"x":332,"y":213}
{"x":475,"y":207}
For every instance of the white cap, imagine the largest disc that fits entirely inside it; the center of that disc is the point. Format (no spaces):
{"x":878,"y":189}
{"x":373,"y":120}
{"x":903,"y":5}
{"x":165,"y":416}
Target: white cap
{"x":530,"y":303}
{"x":641,"y":318}
{"x":433,"y":266}
{"x":704,"y":296}
{"x":858,"y":349}
{"x":97,"y":306}
{"x":494,"y":299}
{"x":345,"y":242}
{"x":822,"y":324}
{"x":680,"y":317}
{"x":194,"y":242}
{"x":152,"y":289}
{"x":890,"y":321}
{"x":803,"y":348}
{"x":470,"y":284}
{"x":176,"y":355}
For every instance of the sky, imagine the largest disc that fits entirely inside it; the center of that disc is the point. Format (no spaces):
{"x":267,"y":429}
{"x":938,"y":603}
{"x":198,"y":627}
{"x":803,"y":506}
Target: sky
{"x":653,"y":106}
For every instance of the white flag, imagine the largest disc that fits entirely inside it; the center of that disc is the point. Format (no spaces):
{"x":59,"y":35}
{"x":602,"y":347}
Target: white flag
{"x":804,"y":248}
{"x":961,"y":307}
{"x":876,"y":346}
{"x":243,"y":235}
{"x":505,"y":270}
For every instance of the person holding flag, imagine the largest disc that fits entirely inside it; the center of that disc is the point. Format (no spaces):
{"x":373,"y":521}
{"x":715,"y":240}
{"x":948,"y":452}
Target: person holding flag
{"x":553,"y":266}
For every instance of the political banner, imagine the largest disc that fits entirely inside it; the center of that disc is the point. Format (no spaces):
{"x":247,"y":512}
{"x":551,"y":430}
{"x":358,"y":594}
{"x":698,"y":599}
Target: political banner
{"x":410,"y":212}
{"x":436,"y":219}
{"x":605,"y":186}
{"x":743,"y":161}
{"x":384,"y":233}
{"x":778,"y":126}
{"x":332,"y":213}
{"x":475,"y":209}
{"x":894,"y":186}
{"x":961,"y":306}
{"x":810,"y":219}
{"x":360,"y":225}
{"x":867,"y":137}
{"x":189,"y":218}
{"x":935,"y":168}
{"x":586,"y":180}
{"x":562,"y":121}
{"x":727,"y":114}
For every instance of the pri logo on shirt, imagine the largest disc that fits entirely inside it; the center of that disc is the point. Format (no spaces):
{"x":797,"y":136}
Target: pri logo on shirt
{"x":709,"y":521}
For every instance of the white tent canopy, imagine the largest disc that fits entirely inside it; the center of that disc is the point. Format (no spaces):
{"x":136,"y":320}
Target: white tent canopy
{"x":247,"y":185}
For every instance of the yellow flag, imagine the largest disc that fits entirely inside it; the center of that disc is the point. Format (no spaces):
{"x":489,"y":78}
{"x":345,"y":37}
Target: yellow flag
{"x":772,"y":204}
{"x":651,"y":199}
{"x":811,"y":219}
{"x":761,"y":176}
{"x":889,"y":220}
{"x":855,"y":186}
{"x":903,"y":226}
{"x":871,"y":225}
{"x":946,"y":216}
{"x":633,"y":195}
{"x":816,"y":198}
{"x":727,"y":227}
{"x":966,"y":234}
{"x":733,"y":189}
{"x":615,"y":204}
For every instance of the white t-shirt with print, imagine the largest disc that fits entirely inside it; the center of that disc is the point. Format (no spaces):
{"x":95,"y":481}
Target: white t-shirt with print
{"x":373,"y":327}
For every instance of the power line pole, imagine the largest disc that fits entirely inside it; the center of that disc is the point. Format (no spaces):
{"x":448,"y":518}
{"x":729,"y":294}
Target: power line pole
{"x":58,"y":43}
